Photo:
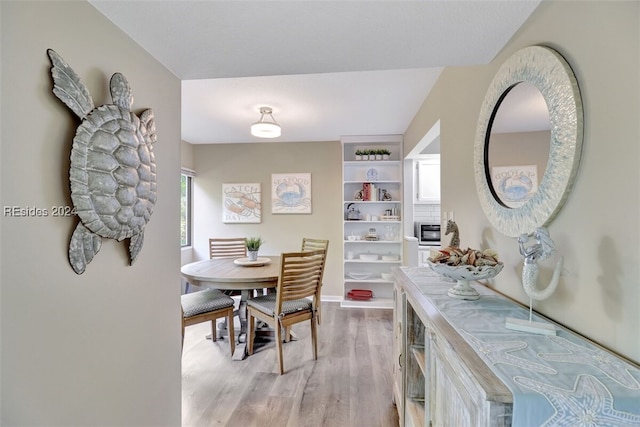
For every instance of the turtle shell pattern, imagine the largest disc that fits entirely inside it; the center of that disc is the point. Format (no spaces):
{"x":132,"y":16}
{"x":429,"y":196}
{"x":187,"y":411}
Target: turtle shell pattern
{"x":113,"y":172}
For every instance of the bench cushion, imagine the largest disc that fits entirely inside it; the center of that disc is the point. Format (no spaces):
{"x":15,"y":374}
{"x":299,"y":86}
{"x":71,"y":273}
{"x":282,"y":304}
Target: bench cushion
{"x":267,"y":304}
{"x":204,"y":301}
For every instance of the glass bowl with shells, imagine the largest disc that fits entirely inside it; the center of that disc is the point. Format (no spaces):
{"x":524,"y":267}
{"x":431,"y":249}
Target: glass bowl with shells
{"x":463,"y":266}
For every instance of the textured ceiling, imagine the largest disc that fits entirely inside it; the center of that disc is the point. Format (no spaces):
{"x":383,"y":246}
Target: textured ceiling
{"x":327,"y":68}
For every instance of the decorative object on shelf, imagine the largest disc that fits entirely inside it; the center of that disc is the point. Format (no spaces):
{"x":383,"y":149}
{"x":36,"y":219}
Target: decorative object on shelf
{"x":253,"y":245}
{"x":551,"y":75}
{"x":358,"y":276}
{"x":372,"y":154}
{"x":113,"y":168}
{"x":372,"y":174}
{"x":464,"y":266}
{"x":353,"y":214}
{"x":359,"y":195}
{"x":360,"y":294}
{"x":387,"y":276}
{"x":542,"y":249}
{"x":371,"y":235}
{"x":452,"y":227}
{"x":373,"y":193}
{"x":291,"y":193}
{"x":265,"y":128}
{"x":369,"y":257}
{"x":241,"y":203}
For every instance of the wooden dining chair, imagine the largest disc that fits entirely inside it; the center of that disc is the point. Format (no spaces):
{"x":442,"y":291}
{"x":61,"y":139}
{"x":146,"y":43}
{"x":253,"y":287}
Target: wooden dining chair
{"x":208,"y":305}
{"x":309,"y":244}
{"x":299,"y":278}
{"x":220,"y":247}
{"x":231,"y":247}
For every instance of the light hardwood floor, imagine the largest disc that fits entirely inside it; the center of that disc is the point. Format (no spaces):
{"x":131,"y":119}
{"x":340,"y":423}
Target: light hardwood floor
{"x":349,"y":385}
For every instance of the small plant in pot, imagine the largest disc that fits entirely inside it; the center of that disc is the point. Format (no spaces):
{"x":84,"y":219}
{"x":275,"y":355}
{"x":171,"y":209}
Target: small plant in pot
{"x":358,"y":154}
{"x":385,"y":154}
{"x":253,"y":245}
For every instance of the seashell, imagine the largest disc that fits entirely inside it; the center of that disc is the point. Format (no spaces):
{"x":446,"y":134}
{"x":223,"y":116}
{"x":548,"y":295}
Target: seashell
{"x":464,"y":259}
{"x":490,"y":253}
{"x":438,"y":257}
{"x":472,"y":258}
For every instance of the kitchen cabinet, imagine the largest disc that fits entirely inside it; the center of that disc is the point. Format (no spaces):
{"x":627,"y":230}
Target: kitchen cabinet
{"x":372,"y":225}
{"x":428,"y":179}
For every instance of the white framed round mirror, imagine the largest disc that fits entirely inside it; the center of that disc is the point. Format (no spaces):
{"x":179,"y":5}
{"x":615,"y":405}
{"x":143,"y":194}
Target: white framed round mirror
{"x":547,"y":71}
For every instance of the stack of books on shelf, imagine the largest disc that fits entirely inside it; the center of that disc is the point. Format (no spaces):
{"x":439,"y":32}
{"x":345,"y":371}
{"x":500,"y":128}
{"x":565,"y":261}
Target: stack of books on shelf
{"x":372,"y":193}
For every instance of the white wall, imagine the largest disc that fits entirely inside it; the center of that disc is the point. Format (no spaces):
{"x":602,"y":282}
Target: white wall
{"x":101,"y":348}
{"x":598,"y":229}
{"x":216,"y":164}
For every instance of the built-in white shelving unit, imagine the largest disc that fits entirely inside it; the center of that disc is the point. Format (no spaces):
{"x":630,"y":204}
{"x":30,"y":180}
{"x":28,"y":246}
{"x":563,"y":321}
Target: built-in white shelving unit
{"x":372,"y":206}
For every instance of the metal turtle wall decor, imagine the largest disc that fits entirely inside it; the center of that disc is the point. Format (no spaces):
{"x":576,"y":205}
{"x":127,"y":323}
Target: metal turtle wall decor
{"x":113,"y":170}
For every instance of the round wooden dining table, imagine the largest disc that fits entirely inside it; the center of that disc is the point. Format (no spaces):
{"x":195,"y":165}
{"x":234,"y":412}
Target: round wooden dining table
{"x":235,"y":274}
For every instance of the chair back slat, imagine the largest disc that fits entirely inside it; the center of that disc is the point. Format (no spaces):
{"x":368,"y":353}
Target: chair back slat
{"x":314,"y":244}
{"x":300,"y":275}
{"x":231,"y":247}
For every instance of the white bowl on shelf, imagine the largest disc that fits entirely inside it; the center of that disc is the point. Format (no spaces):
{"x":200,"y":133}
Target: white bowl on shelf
{"x":369,"y":257}
{"x":390,"y":257}
{"x":387,"y":276}
{"x":358,"y":276}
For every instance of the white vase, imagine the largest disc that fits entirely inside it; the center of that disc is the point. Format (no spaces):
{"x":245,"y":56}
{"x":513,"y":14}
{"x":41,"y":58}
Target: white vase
{"x":253,"y":255}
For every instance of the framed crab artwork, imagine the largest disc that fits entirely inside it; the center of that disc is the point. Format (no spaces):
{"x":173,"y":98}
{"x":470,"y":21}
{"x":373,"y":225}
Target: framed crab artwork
{"x":291,"y":193}
{"x":113,"y":169}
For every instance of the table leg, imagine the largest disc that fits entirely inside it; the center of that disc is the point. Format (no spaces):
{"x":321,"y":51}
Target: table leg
{"x":241,"y":346}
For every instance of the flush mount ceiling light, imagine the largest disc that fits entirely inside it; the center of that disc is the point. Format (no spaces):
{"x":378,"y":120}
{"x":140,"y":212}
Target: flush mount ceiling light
{"x":265,"y":128}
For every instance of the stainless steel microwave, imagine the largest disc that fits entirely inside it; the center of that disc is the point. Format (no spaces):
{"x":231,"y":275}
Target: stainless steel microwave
{"x":428,"y":234}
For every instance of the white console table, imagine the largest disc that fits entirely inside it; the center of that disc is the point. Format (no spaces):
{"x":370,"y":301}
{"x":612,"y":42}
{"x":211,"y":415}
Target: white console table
{"x":459,"y":365}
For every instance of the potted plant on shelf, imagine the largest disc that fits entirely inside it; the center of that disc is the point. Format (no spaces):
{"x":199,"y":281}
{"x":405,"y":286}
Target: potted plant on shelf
{"x":358,"y":154}
{"x":378,"y":154}
{"x":253,"y":245}
{"x":371,"y":154}
{"x":385,"y":154}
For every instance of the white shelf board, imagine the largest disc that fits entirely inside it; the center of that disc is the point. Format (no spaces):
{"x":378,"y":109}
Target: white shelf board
{"x":374,"y":303}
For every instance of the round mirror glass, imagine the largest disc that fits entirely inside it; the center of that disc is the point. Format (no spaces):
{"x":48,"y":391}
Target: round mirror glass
{"x":518,"y":145}
{"x":548,"y":73}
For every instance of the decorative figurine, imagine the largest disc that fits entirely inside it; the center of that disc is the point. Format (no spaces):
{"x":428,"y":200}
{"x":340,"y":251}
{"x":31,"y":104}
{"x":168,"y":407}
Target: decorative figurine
{"x":113,"y":168}
{"x":542,"y":249}
{"x":452,"y":227}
